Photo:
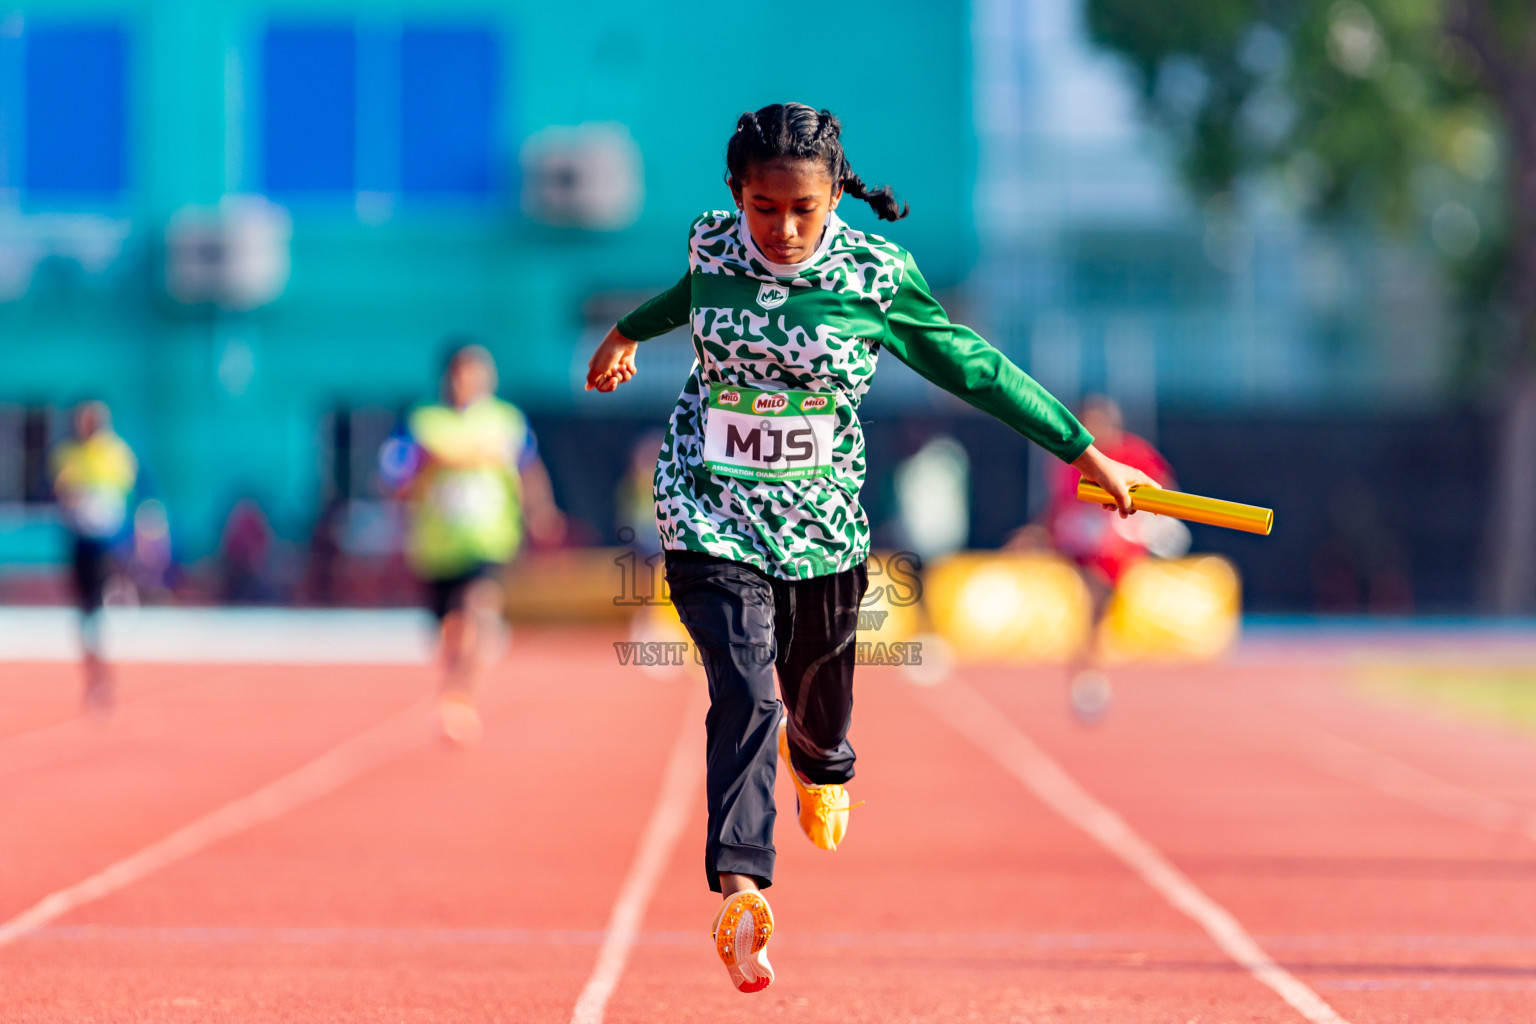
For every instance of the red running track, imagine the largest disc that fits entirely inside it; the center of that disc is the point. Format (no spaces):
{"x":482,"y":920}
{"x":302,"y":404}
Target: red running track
{"x":430,"y":885}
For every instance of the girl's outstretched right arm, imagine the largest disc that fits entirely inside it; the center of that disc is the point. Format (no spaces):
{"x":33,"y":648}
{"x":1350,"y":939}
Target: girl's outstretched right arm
{"x":614,"y":361}
{"x":960,"y":361}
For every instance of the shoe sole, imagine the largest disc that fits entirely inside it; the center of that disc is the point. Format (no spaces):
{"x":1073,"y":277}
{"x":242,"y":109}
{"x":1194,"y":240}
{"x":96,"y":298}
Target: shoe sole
{"x":741,"y":935}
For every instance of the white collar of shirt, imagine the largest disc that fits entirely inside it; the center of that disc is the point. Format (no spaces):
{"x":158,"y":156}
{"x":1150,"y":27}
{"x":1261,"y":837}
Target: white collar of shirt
{"x":828,"y":233}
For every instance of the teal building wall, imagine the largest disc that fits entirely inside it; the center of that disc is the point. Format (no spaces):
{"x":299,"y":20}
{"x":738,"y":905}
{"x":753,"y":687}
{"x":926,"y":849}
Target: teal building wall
{"x":222,"y":404}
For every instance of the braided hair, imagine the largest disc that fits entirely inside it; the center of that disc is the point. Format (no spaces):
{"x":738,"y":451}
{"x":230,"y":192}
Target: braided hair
{"x":798,"y":132}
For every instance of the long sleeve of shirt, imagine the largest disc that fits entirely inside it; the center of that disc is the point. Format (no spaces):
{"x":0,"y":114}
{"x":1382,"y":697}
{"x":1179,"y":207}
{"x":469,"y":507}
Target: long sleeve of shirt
{"x":960,"y":361}
{"x":658,"y":315}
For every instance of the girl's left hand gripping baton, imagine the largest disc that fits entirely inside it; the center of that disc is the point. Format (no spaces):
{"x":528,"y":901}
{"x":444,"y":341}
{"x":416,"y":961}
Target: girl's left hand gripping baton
{"x":1193,"y":507}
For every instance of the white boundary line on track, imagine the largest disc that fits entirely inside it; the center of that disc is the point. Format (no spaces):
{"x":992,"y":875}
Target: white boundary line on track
{"x":1363,"y":765}
{"x":13,"y":756}
{"x":916,"y":943}
{"x":676,"y":801}
{"x":325,"y":774}
{"x":238,"y":636}
{"x":980,"y":721}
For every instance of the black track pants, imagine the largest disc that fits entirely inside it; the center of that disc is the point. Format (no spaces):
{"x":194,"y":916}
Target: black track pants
{"x":747,"y":624}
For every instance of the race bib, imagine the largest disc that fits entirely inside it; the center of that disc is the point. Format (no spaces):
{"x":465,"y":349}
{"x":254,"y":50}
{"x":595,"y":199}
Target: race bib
{"x":97,"y":512}
{"x":769,"y":435}
{"x":469,"y":499}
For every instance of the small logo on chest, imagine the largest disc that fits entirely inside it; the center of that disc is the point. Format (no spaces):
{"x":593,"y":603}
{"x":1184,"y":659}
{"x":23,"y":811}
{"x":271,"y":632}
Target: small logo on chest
{"x":770,"y":295}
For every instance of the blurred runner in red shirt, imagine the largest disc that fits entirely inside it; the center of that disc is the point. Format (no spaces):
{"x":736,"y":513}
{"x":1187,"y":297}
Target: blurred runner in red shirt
{"x":1100,"y":541}
{"x":1103,"y":544}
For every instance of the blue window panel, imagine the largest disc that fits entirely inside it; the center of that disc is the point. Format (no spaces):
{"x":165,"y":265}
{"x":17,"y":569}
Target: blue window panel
{"x":76,"y":109}
{"x":449,"y":86}
{"x":309,"y":108}
{"x":11,"y":119}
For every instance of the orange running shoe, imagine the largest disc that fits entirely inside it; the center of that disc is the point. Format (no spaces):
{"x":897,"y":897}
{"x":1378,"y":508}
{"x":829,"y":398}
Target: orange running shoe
{"x":458,"y":721}
{"x":823,"y":809}
{"x":741,"y":932}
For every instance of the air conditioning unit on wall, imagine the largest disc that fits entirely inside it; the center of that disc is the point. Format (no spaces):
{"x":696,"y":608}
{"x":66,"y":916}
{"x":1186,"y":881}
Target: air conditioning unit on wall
{"x":234,"y":254}
{"x":583,"y":176}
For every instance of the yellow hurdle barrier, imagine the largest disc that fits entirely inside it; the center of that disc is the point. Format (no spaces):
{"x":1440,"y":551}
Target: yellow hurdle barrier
{"x":891,"y":612}
{"x":993,"y":606}
{"x":1187,"y":609}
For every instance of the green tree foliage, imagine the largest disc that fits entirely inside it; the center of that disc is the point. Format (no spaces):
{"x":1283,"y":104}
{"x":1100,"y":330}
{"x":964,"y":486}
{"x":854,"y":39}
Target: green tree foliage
{"x":1421,"y":115}
{"x":1354,"y":103}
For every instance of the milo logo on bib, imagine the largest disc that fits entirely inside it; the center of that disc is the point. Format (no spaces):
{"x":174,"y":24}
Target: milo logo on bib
{"x":768,"y":435}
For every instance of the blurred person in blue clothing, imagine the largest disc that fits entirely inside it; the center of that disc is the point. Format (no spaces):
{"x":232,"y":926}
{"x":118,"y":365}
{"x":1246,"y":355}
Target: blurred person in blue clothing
{"x":246,"y":551}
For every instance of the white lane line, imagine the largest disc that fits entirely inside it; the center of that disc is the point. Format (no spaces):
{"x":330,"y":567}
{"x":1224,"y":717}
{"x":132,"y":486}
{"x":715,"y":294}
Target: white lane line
{"x":50,"y":744}
{"x":325,"y":774}
{"x":1354,"y":762}
{"x":241,"y":636}
{"x":1428,"y":984}
{"x":679,"y":794}
{"x":1005,"y":943}
{"x":980,"y":721}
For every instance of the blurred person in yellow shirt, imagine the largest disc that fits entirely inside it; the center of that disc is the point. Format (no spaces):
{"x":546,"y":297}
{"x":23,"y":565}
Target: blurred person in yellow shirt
{"x":93,"y":474}
{"x":635,"y":499}
{"x":472,"y":474}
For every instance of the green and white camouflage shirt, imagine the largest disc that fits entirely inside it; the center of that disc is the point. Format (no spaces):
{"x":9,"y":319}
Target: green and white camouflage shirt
{"x":814,"y":330}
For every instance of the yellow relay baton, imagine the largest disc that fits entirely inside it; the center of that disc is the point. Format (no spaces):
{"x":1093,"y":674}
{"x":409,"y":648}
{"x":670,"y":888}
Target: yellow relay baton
{"x":1193,"y":507}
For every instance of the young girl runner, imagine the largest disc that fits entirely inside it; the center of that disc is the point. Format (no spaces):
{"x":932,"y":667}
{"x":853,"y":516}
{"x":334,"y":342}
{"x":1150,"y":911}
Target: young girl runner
{"x":758,"y":481}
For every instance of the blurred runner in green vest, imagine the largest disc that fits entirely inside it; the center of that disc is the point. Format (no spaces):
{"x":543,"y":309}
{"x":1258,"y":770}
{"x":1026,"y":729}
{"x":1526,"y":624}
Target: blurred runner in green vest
{"x":473,"y":477}
{"x":93,"y":475}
